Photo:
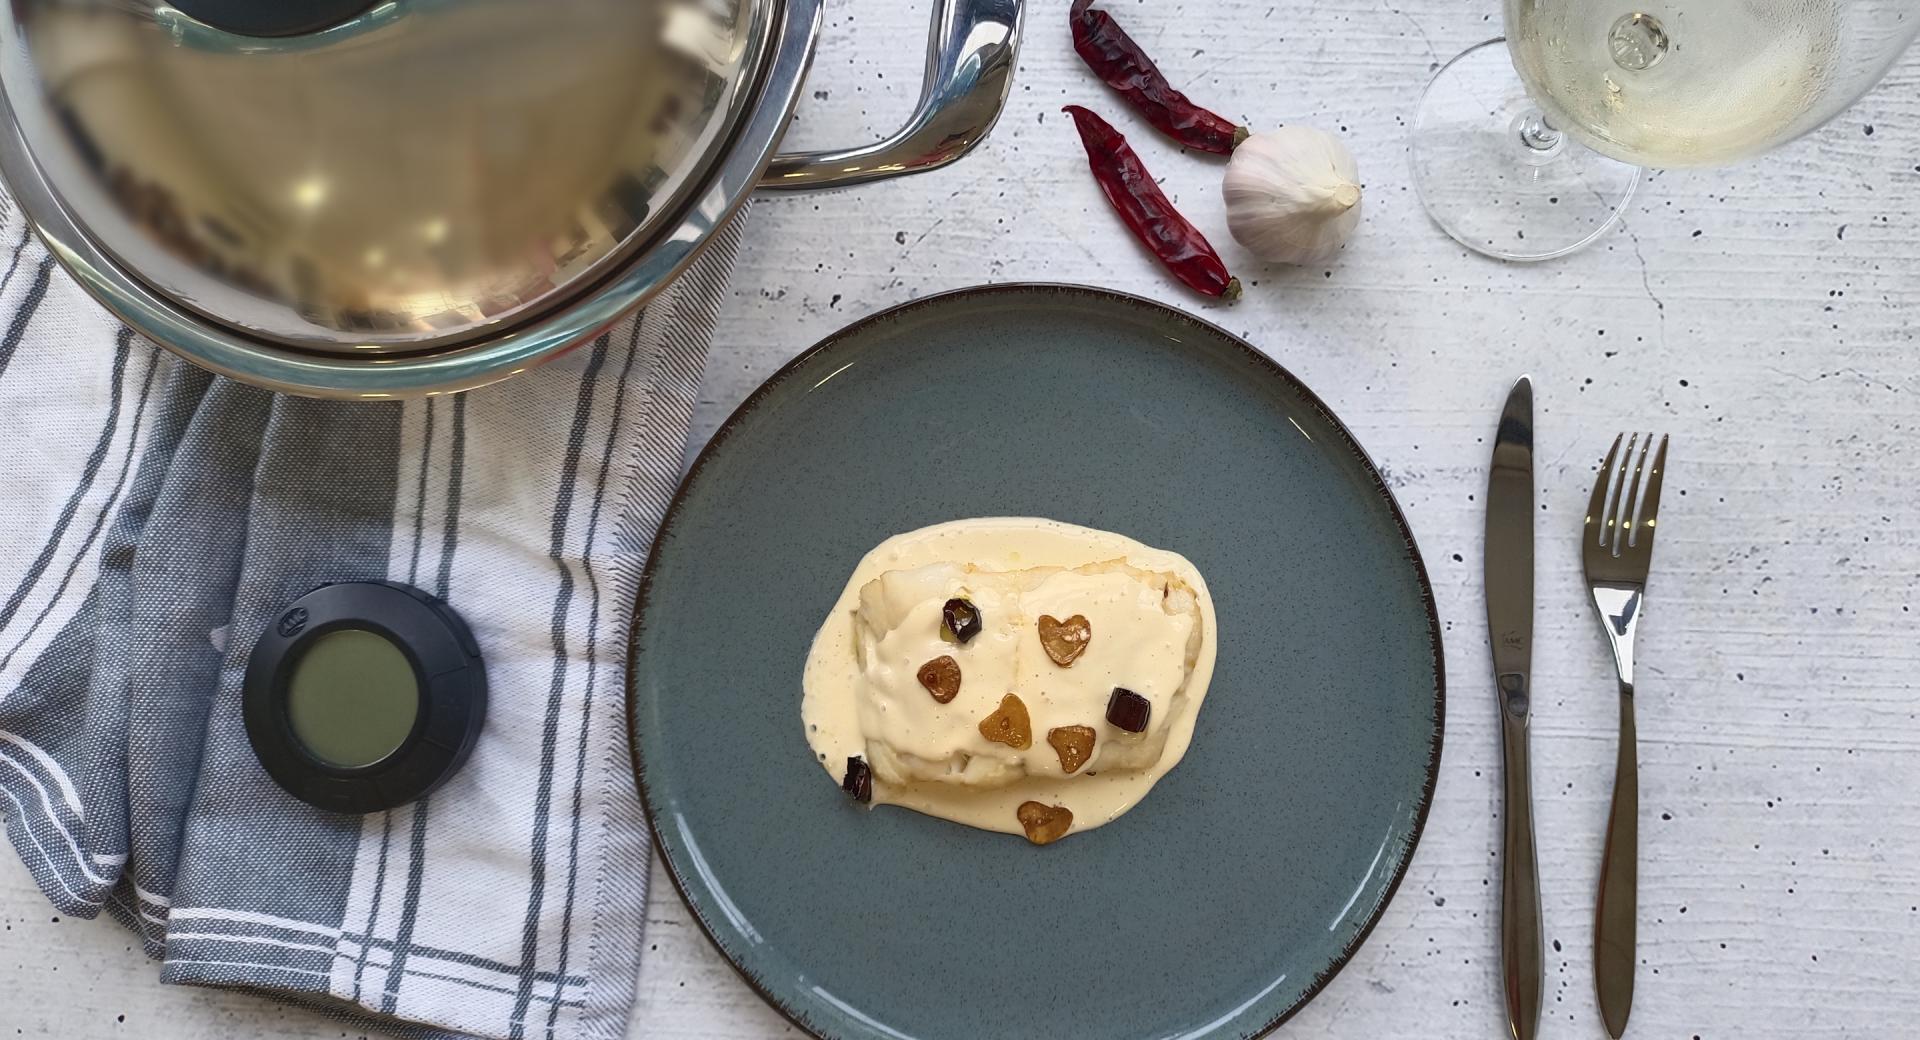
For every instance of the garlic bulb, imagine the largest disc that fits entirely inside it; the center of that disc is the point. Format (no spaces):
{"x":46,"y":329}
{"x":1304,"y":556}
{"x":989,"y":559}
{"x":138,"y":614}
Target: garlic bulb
{"x":1292,"y":194}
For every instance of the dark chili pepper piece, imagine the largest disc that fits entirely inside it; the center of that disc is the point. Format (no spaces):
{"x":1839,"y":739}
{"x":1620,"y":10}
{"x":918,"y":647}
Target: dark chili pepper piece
{"x":1128,"y":710}
{"x":1145,"y":208}
{"x":960,"y":620}
{"x":859,"y":780}
{"x":1109,"y":51}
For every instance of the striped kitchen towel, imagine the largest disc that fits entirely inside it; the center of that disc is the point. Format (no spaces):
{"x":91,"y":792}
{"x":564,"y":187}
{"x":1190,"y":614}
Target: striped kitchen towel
{"x":153,"y":517}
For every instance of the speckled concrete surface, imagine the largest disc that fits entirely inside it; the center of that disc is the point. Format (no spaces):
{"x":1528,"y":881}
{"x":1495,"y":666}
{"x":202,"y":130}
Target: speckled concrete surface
{"x":1762,"y":315}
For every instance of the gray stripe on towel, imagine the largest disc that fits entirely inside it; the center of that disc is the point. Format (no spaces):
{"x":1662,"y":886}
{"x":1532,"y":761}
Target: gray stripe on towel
{"x":593,"y":661}
{"x":322,"y":512}
{"x":430,"y":408}
{"x":22,"y":318}
{"x":549,"y":738}
{"x":184,"y":576}
{"x":417,"y":840}
{"x":109,"y":427}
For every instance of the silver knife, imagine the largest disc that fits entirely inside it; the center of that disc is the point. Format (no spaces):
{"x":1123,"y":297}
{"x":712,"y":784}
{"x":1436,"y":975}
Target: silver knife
{"x":1509,"y":584}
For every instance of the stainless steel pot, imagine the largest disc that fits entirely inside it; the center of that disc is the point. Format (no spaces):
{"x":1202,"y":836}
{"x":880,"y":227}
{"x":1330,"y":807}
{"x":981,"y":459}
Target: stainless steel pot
{"x":350,"y":198}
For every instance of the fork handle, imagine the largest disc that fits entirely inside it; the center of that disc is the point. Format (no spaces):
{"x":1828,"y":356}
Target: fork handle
{"x":1616,"y":911}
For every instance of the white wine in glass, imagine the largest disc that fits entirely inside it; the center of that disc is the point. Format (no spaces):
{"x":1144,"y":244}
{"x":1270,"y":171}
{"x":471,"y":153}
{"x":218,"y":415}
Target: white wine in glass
{"x":1651,"y":83}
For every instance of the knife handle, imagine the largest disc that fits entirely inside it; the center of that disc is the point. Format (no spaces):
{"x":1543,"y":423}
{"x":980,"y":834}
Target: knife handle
{"x":1522,"y":959}
{"x":1616,"y":911}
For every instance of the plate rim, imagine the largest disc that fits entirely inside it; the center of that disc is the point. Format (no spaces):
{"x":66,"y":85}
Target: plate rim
{"x":1273,"y":369}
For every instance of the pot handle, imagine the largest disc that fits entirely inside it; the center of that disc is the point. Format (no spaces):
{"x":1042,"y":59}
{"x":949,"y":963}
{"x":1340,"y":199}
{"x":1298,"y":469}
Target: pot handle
{"x":970,"y":57}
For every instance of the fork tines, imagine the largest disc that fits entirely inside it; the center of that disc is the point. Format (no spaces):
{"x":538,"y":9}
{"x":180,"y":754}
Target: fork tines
{"x":1621,"y":515}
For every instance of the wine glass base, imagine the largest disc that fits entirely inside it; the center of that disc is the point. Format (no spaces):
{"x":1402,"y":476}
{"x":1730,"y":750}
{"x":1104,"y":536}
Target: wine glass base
{"x":1490,"y":186}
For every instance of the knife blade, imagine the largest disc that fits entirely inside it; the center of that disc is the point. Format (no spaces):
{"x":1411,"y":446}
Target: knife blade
{"x":1508,"y":578}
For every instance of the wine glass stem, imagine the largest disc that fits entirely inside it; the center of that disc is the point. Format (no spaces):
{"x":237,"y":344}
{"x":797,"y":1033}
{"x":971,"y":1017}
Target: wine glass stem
{"x":1539,"y":134}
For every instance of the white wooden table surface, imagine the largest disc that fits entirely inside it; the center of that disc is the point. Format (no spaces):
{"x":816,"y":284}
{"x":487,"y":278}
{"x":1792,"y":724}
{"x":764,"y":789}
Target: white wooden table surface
{"x":1762,"y":315}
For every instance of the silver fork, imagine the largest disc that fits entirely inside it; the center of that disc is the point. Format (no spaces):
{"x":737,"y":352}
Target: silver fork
{"x":1617,"y":550}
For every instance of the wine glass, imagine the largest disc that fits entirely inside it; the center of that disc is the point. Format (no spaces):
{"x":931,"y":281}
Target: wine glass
{"x":1527,"y":147}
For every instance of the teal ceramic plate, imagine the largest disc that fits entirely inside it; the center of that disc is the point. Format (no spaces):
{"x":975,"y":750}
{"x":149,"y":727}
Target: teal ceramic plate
{"x":1237,"y":888}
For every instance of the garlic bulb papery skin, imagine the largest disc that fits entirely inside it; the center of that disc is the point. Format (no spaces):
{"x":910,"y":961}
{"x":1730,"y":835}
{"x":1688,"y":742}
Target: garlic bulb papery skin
{"x":1293,"y":195}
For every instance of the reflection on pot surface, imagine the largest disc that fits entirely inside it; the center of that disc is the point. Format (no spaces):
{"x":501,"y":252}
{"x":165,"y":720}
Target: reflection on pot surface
{"x":410,"y":174}
{"x":368,"y":199}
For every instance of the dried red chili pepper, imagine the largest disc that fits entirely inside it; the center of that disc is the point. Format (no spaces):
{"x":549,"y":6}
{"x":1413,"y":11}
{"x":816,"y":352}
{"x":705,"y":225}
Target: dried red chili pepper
{"x":1112,"y":53}
{"x":1145,"y":208}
